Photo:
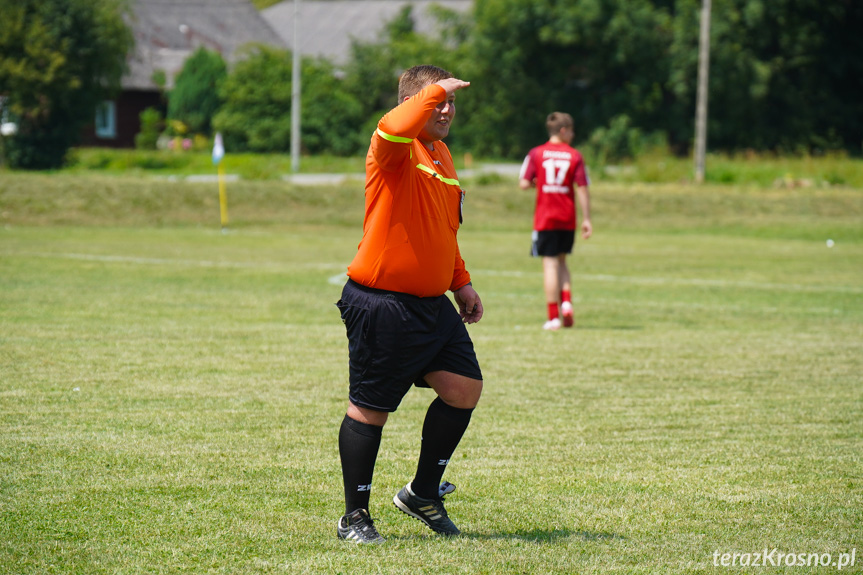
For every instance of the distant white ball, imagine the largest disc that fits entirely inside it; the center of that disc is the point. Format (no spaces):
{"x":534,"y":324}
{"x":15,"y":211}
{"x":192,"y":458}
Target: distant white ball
{"x":829,"y":243}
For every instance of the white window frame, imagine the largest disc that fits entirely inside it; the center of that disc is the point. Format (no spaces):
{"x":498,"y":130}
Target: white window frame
{"x":106,"y":120}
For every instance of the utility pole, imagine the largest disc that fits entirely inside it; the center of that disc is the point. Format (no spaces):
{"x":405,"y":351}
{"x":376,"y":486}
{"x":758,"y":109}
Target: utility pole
{"x":701,"y":105}
{"x":295,"y":93}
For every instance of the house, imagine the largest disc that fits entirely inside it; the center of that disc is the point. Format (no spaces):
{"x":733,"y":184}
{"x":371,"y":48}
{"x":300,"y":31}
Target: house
{"x":167,"y":32}
{"x":326,"y":27}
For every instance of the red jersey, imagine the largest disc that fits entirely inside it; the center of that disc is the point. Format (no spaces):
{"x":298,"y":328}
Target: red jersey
{"x":413,"y":207}
{"x":557,"y":168}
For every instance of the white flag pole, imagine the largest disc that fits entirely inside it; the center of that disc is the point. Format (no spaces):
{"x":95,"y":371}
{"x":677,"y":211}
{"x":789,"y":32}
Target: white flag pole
{"x":218,"y":154}
{"x":295,"y":93}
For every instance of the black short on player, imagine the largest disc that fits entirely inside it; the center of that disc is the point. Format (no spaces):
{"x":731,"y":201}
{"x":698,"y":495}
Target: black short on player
{"x":395,"y":339}
{"x":552,"y":242}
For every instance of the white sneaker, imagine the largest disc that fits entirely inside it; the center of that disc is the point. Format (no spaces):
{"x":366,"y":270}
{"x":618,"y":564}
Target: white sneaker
{"x":566,"y":311}
{"x":552,"y":324}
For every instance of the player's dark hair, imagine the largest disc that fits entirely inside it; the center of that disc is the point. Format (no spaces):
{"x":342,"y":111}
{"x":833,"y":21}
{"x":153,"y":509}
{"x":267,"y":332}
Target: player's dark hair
{"x":415,"y":79}
{"x":557,"y":121}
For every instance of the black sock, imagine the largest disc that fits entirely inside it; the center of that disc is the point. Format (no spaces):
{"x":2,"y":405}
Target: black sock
{"x":358,"y":450}
{"x":442,"y":430}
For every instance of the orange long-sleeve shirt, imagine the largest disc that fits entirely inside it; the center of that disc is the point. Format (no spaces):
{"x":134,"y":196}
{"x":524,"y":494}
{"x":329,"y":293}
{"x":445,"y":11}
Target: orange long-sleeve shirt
{"x":413,"y":207}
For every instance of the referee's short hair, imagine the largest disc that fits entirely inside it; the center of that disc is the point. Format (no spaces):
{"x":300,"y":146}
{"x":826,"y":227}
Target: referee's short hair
{"x":415,"y":79}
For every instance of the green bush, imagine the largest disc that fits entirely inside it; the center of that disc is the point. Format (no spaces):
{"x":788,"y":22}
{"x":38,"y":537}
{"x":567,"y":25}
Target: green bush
{"x":195,"y":97}
{"x":151,"y":127}
{"x":256,"y":115}
{"x":40,"y":146}
{"x":99,"y":159}
{"x":622,"y":141}
{"x":330,"y":115}
{"x":256,"y":110}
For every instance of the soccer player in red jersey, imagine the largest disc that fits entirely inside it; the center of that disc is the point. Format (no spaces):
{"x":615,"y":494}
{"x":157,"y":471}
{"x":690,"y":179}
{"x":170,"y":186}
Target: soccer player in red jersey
{"x":558,"y":172}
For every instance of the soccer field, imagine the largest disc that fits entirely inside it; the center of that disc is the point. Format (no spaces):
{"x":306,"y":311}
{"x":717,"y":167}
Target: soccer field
{"x":171,"y":395}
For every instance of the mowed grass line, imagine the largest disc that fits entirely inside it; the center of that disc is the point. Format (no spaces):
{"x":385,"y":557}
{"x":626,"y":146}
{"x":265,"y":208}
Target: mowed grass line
{"x":171,"y":396}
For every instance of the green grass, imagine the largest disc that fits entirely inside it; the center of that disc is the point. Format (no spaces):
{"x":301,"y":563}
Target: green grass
{"x":171,"y":395}
{"x":752,"y":170}
{"x":180,"y":164}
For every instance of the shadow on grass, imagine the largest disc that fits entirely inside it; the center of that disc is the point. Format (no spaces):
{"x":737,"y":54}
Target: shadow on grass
{"x":535,"y":535}
{"x":612,"y":327}
{"x":597,"y":536}
{"x":543,"y":536}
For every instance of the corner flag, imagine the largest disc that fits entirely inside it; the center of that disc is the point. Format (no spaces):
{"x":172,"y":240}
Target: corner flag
{"x":218,"y":149}
{"x":218,"y":154}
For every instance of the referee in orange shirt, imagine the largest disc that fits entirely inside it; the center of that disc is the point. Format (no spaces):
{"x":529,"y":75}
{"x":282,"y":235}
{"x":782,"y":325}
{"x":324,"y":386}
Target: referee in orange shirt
{"x":402,"y":329}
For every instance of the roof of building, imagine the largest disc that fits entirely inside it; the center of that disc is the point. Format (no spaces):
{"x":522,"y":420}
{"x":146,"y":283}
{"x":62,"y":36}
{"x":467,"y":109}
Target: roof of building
{"x":328,"y":26}
{"x":168,"y":31}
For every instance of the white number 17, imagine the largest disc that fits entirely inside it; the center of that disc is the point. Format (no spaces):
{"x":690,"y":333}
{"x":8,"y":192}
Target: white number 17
{"x":555,"y":170}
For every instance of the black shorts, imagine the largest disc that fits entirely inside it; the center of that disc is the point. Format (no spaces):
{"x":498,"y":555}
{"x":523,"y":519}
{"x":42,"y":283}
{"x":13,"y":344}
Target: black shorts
{"x":395,"y":339}
{"x":552,"y":242}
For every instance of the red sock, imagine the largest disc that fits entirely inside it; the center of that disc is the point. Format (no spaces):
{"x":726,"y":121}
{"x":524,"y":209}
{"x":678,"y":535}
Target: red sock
{"x":552,"y":310}
{"x":566,"y":295}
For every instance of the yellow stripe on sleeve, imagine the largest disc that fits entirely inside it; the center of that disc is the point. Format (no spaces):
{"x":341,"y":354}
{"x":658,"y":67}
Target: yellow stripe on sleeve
{"x":390,"y":138}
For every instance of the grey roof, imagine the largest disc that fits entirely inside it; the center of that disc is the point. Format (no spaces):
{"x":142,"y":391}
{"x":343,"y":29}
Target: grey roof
{"x":327,"y":26}
{"x":168,"y":31}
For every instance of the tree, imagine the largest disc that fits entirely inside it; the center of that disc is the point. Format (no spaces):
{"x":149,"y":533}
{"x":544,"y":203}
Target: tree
{"x":371,"y":75}
{"x":195,"y":97}
{"x":596,"y":59}
{"x":330,"y":114}
{"x":58,"y":60}
{"x":785,"y":74}
{"x":256,"y":114}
